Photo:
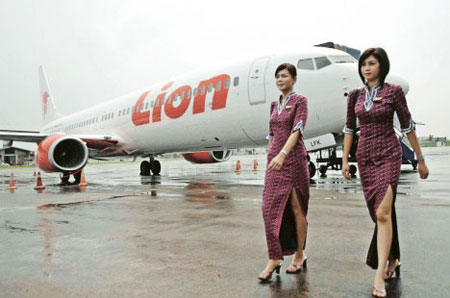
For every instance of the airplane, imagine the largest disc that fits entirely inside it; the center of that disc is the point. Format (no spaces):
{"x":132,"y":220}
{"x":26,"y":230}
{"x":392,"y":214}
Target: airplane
{"x":204,"y":114}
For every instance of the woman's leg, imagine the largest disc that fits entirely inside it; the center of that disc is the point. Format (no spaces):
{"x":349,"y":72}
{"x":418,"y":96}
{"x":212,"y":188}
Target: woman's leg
{"x":384,"y":235}
{"x":301,"y":227}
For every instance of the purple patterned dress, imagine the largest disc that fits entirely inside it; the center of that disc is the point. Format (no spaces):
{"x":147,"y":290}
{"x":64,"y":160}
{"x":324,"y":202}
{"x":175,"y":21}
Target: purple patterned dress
{"x":379,"y":152}
{"x":279,"y":220}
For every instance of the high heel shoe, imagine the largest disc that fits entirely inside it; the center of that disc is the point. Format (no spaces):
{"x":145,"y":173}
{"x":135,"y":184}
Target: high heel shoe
{"x":266,"y":275}
{"x":390,"y":274}
{"x":294,"y":268}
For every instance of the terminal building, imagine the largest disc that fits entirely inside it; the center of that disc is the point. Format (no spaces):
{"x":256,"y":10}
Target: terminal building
{"x":16,"y":156}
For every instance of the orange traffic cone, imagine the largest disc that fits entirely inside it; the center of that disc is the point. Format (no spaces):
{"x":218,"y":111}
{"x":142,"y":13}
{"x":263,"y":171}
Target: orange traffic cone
{"x":238,"y":166}
{"x":82,"y":180}
{"x":255,"y":165}
{"x":39,"y":185}
{"x":12,"y":183}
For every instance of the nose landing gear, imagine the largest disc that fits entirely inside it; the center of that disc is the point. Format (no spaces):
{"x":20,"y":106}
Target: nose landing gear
{"x":150,"y":167}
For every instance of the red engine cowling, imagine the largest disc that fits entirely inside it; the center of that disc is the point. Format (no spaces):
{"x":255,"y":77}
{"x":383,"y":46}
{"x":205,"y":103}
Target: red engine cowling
{"x":208,"y":156}
{"x":61,"y":153}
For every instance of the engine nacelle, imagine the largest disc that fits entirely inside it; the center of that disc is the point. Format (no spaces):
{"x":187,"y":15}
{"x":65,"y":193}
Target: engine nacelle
{"x":61,"y":153}
{"x":208,"y":156}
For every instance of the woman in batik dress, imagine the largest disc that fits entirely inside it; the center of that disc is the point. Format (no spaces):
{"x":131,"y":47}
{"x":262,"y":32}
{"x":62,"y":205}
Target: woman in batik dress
{"x":286,"y":184}
{"x":379,"y":156}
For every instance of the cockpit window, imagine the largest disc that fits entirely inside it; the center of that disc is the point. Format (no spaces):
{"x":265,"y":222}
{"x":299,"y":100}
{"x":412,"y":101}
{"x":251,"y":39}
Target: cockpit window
{"x":321,"y":62}
{"x":305,"y":64}
{"x":342,"y":59}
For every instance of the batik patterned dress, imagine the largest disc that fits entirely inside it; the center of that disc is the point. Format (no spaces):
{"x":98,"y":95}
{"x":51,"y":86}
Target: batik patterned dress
{"x":379,"y":153}
{"x":279,"y":220}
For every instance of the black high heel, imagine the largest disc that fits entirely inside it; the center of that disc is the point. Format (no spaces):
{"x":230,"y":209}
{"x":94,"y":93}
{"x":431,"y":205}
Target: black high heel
{"x":268,"y":276}
{"x":390,"y":274}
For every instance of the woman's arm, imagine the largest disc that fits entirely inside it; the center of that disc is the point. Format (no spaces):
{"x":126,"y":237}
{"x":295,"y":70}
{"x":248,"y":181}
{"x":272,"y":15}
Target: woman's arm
{"x":349,"y":129}
{"x":408,"y":127}
{"x":277,"y":162}
{"x":423,"y":169}
{"x":348,"y":140}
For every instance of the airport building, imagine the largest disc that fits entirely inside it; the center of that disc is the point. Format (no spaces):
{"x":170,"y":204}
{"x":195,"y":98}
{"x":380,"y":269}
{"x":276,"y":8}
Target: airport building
{"x":16,"y":156}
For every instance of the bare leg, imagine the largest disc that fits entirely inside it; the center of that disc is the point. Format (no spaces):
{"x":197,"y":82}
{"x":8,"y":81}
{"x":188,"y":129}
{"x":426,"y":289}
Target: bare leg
{"x":301,"y":227}
{"x":384,"y":236}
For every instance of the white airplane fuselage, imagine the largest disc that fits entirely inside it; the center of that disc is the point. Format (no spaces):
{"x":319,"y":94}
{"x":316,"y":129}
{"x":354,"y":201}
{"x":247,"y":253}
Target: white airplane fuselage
{"x":229,"y":112}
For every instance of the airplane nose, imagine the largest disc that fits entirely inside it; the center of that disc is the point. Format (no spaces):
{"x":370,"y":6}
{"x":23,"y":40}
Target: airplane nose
{"x":394,"y":78}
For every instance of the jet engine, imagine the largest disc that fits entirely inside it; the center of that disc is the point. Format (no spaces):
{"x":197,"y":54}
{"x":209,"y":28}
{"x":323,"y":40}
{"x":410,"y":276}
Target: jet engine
{"x":61,"y":153}
{"x":208,"y":156}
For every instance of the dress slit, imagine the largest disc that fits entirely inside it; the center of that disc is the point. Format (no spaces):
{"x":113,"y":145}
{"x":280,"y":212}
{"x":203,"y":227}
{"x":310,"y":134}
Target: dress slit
{"x":372,"y":255}
{"x":287,"y":232}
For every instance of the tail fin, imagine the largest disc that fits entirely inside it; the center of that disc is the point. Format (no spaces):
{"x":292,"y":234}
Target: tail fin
{"x":49,"y":112}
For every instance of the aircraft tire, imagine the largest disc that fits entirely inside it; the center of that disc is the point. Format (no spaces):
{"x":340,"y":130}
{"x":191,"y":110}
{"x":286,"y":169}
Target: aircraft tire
{"x":156,"y":167}
{"x":312,"y":169}
{"x":145,"y":168}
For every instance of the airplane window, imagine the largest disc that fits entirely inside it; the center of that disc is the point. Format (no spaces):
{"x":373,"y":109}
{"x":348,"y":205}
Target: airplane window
{"x":305,"y":64}
{"x":195,"y":92}
{"x":227,"y":84}
{"x":146,"y":105}
{"x":219,"y":85}
{"x":342,"y":59}
{"x":321,"y":62}
{"x":128,"y":111}
{"x":188,"y":94}
{"x":202,"y":91}
{"x":236,"y":81}
{"x":112,"y":115}
{"x":210,"y":86}
{"x":120,"y":113}
{"x":182,"y":95}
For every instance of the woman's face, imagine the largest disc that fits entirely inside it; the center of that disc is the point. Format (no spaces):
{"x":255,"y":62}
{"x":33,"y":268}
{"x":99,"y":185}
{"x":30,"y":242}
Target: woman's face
{"x":370,"y":68}
{"x":284,"y":80}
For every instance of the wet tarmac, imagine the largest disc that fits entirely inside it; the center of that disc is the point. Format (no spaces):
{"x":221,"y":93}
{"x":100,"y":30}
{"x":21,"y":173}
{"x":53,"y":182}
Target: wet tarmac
{"x":197,"y":231}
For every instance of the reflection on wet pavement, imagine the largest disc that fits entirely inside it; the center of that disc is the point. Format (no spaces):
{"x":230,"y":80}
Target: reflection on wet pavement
{"x":196,"y":231}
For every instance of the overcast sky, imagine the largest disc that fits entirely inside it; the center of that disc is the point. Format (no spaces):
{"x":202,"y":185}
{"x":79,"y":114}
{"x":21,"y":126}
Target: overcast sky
{"x":96,"y":50}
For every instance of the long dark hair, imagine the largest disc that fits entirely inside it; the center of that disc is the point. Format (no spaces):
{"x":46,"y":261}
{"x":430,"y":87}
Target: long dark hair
{"x":382,"y":57}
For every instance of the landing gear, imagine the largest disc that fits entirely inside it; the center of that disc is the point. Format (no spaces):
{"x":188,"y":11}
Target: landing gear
{"x":65,"y":178}
{"x":77,"y":177}
{"x":153,"y":166}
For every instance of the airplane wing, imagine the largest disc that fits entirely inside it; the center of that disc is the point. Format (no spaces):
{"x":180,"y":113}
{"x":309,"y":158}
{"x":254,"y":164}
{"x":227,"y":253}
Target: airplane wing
{"x":98,"y":142}
{"x":22,"y":136}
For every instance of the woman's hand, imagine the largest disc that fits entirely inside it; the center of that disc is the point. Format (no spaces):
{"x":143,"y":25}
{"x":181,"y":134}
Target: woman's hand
{"x":277,"y":162}
{"x":423,"y":170}
{"x":346,"y":171}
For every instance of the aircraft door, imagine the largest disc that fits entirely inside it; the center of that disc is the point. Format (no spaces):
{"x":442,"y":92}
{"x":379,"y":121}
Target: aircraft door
{"x":256,"y":81}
